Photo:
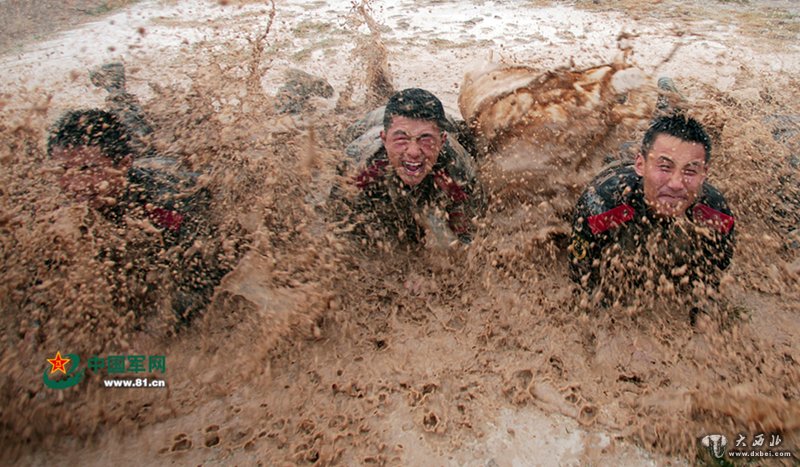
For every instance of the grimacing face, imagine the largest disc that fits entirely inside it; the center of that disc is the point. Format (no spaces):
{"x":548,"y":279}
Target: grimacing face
{"x":412,"y":147}
{"x":91,"y":176}
{"x":673,"y":173}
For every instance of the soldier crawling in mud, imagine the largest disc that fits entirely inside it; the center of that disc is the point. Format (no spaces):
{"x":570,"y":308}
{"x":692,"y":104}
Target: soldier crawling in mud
{"x":659,"y":209}
{"x":412,"y":179}
{"x":94,"y":149}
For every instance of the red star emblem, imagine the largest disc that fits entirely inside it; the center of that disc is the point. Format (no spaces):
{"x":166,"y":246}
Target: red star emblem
{"x":58,"y":363}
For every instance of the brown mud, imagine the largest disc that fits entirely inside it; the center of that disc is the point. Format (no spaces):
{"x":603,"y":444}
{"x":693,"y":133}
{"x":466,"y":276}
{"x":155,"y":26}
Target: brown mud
{"x":314,"y":351}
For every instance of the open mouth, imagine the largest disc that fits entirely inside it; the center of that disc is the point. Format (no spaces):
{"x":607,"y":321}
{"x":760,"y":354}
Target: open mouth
{"x":413,"y":168}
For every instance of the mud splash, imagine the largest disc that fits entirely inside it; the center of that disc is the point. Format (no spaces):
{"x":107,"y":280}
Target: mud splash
{"x":316,"y":351}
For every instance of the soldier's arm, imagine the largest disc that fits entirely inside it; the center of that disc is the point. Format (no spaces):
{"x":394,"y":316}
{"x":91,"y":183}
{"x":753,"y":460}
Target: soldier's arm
{"x":353,"y":201}
{"x":466,"y":196}
{"x":196,"y":277}
{"x":720,"y":249}
{"x":718,"y":242}
{"x":196,"y":263}
{"x":585,"y":248}
{"x":462,"y":215}
{"x":466,"y":202}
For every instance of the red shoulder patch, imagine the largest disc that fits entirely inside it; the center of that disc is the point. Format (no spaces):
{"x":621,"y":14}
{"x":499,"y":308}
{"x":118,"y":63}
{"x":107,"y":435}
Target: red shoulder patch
{"x":167,"y":219}
{"x":621,"y":214}
{"x":450,"y":186}
{"x":371,"y":174}
{"x":718,"y":221}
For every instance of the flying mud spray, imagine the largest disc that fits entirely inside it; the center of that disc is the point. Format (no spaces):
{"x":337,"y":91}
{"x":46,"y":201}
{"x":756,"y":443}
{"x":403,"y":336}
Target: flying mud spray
{"x":316,"y":350}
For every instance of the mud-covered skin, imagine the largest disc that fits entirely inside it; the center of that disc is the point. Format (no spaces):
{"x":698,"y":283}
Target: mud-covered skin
{"x":611,"y":221}
{"x":383,"y":207}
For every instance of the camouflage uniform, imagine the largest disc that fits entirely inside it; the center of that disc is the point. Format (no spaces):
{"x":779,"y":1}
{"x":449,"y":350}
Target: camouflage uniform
{"x":165,"y":195}
{"x":383,"y":207}
{"x":612,"y":222}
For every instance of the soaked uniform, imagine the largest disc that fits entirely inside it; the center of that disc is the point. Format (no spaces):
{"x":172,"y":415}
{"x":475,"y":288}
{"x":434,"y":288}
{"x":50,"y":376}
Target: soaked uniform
{"x":612,"y":227}
{"x":381,"y":206}
{"x":186,"y":251}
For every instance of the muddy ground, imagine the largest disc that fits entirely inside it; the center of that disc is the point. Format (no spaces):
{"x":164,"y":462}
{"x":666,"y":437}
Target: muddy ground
{"x":317,"y":351}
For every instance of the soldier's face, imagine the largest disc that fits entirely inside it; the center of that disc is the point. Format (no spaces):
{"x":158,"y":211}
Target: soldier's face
{"x":413,"y":147}
{"x":673,"y":173}
{"x":91,"y":176}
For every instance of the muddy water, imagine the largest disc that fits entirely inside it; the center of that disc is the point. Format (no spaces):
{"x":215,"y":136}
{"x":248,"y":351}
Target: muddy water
{"x":314,"y":350}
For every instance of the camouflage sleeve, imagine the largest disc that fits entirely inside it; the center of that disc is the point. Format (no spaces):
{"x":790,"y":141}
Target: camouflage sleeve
{"x":197,"y":263}
{"x":357,"y":205}
{"x":196,"y":276}
{"x":728,"y":243}
{"x":467,"y":198}
{"x":464,"y":211}
{"x":585,"y":248}
{"x":718,"y":242}
{"x":357,"y":176}
{"x":719,"y":248}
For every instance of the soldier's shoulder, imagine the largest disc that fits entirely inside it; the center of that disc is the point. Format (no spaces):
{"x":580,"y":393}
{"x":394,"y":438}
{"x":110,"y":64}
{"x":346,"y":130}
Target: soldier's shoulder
{"x":611,"y":188}
{"x":712,"y":209}
{"x":365,"y":124}
{"x":614,"y":178}
{"x":362,"y":150}
{"x":363,"y":142}
{"x":713,"y":198}
{"x":457,"y":162}
{"x":372,"y":173}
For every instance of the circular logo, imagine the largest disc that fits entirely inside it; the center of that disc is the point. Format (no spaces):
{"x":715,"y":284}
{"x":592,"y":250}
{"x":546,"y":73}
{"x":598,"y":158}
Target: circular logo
{"x":72,"y":378}
{"x":579,"y":247}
